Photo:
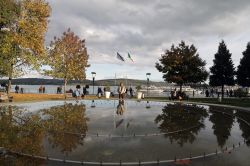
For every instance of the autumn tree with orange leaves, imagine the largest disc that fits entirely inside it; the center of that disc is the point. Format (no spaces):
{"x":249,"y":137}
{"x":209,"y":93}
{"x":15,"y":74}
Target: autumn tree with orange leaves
{"x":68,"y":58}
{"x":23,"y":26}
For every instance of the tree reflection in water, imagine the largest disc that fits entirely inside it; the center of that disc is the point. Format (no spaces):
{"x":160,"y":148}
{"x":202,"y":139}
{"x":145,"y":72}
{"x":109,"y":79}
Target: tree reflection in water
{"x":62,"y":122}
{"x":222,"y":124}
{"x":245,"y":128}
{"x":19,"y":133}
{"x":176,"y":117}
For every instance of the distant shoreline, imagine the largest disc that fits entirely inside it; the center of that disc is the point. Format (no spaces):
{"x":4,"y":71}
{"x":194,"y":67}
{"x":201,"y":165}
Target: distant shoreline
{"x":109,"y":82}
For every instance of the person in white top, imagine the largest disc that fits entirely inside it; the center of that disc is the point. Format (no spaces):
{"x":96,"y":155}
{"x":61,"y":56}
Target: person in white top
{"x":121,"y":91}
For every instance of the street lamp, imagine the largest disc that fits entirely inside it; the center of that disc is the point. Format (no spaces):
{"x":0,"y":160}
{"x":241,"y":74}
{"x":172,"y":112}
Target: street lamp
{"x":93,"y":76}
{"x":148,"y":76}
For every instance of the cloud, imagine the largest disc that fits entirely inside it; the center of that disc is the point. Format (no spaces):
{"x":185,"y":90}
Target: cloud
{"x":146,"y":28}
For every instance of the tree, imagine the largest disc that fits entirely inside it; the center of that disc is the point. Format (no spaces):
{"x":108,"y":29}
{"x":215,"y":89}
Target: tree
{"x":243,"y":72}
{"x":74,"y":120}
{"x":8,"y":12}
{"x":176,"y":117}
{"x":68,"y":58}
{"x":223,"y":71}
{"x":182,"y":64}
{"x":22,"y":42}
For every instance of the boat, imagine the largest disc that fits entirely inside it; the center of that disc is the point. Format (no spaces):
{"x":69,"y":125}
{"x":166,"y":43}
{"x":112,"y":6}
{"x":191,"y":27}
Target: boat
{"x":152,"y":89}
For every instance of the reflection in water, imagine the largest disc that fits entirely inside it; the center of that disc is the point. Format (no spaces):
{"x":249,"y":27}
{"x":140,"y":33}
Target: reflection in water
{"x":222,"y":124}
{"x":120,"y":108}
{"x":176,"y":117}
{"x":20,"y":134}
{"x":243,"y":126}
{"x":63,"y":122}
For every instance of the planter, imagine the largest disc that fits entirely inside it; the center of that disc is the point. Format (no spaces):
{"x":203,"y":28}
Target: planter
{"x":139,"y":95}
{"x":107,"y":95}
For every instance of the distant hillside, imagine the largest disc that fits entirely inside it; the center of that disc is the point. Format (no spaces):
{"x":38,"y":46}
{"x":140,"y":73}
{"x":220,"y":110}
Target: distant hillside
{"x":110,"y":82}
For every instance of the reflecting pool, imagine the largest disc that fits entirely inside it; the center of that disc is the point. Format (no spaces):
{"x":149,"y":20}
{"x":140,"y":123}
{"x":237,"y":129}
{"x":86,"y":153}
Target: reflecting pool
{"x":105,"y":132}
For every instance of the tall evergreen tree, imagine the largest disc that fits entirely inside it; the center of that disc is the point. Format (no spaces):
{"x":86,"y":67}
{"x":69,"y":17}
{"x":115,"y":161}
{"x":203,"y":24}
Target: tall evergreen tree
{"x":182,"y":65}
{"x":243,"y":73}
{"x":223,"y":71}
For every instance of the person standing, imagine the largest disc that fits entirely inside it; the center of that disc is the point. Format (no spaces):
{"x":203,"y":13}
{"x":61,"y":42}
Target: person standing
{"x":121,"y":91}
{"x":16,"y":89}
{"x":131,"y":92}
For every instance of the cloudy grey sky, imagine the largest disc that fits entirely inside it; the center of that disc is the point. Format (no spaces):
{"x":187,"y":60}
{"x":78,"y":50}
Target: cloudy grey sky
{"x":145,"y":28}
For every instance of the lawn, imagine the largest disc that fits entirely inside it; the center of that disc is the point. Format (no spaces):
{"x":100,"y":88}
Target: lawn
{"x":241,"y":102}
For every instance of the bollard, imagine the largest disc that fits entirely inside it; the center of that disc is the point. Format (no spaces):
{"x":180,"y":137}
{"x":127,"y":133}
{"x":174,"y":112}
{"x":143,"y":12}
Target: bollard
{"x":204,"y":155}
{"x":120,"y":162}
{"x":97,"y":135}
{"x":134,"y":134}
{"x":82,"y":163}
{"x":190,"y":157}
{"x":233,"y":146}
{"x":139,"y":162}
{"x":174,"y":158}
{"x":239,"y":144}
{"x":47,"y":158}
{"x":216,"y":152}
{"x":158,"y":162}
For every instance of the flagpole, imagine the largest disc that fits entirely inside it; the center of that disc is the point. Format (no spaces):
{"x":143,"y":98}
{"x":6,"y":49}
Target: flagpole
{"x":115,"y":79}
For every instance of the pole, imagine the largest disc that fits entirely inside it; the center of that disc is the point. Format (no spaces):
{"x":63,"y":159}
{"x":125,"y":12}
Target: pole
{"x":93,"y":85}
{"x":147,"y":85}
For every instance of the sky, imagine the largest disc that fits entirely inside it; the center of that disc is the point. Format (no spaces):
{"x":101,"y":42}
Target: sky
{"x":146,"y":28}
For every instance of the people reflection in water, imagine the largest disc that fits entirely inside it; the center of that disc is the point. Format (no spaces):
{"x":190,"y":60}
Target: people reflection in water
{"x":20,"y":134}
{"x":68,"y":136}
{"x":222,"y":124}
{"x":176,"y":117}
{"x":120,"y":108}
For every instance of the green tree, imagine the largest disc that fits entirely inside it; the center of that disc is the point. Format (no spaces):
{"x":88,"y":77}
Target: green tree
{"x":243,"y":73}
{"x":223,"y":71}
{"x":22,"y":42}
{"x":182,"y":64}
{"x":68,"y":58}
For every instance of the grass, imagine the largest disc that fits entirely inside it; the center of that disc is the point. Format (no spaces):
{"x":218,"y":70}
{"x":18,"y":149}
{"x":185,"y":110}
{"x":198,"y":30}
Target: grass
{"x":240,"y":102}
{"x":41,"y":97}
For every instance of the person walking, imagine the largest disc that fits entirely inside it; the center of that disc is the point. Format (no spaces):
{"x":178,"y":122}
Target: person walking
{"x":121,"y":91}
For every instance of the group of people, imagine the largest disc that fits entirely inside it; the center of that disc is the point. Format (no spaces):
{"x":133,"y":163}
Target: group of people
{"x":41,"y":89}
{"x":212,"y":93}
{"x":122,"y":91}
{"x":18,"y":89}
{"x":178,"y":95}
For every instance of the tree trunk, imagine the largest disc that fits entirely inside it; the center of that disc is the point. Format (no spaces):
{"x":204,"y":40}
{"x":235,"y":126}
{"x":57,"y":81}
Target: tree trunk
{"x":10,"y":78}
{"x":65,"y":84}
{"x":222,"y":91}
{"x":180,"y":88}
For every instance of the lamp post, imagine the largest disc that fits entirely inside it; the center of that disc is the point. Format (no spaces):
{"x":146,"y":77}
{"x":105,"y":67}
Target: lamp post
{"x":93,"y":76}
{"x":148,"y":76}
